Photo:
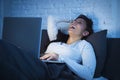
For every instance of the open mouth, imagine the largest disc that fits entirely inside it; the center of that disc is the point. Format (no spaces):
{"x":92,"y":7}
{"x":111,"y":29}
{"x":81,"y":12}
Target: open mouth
{"x":72,"y":27}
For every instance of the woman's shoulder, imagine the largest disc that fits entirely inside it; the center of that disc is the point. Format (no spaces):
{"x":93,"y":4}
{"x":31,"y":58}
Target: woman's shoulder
{"x":85,"y":43}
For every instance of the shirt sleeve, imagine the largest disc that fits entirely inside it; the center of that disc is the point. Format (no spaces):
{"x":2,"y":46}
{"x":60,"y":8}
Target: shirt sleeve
{"x":87,"y":68}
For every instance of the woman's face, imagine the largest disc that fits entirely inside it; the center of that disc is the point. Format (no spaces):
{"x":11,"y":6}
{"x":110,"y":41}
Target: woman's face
{"x":77,"y":27}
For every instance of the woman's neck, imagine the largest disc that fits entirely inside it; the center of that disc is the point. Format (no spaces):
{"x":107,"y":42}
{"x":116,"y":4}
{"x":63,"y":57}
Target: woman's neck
{"x":73,"y":39}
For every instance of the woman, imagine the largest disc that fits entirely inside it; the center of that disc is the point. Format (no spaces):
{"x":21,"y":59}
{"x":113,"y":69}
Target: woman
{"x":76,"y":50}
{"x":76,"y":53}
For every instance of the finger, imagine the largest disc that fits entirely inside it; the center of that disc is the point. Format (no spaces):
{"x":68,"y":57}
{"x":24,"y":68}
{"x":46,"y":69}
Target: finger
{"x":45,"y":57}
{"x":42,"y":57}
{"x":50,"y":58}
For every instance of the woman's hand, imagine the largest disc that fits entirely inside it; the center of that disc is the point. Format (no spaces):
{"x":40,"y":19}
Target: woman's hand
{"x":50,"y":56}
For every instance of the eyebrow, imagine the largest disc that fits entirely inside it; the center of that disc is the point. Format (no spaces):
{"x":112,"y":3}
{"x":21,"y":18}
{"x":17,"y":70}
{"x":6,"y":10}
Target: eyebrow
{"x":80,"y":20}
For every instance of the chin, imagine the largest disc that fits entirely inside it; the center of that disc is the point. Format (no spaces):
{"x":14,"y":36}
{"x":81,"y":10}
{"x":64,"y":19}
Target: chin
{"x":70,"y":32}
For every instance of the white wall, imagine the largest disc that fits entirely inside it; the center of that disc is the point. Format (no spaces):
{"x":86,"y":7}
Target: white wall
{"x":105,"y":13}
{"x":115,"y":26}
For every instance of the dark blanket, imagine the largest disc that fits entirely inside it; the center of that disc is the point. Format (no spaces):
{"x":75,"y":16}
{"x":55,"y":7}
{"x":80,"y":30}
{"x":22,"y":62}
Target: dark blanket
{"x":59,"y":71}
{"x":18,"y":65}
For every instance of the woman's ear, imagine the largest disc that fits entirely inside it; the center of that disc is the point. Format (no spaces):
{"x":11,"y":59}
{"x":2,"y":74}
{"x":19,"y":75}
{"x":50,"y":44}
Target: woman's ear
{"x":85,"y":33}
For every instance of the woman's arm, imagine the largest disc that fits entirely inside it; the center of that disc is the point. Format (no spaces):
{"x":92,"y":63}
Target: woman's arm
{"x":87,"y":68}
{"x":50,"y":56}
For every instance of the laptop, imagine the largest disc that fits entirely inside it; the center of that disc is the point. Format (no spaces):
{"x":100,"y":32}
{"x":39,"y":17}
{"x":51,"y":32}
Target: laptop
{"x":24,"y":32}
{"x":52,"y":61}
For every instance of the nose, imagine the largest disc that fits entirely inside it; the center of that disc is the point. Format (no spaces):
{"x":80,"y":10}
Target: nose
{"x":74,"y":22}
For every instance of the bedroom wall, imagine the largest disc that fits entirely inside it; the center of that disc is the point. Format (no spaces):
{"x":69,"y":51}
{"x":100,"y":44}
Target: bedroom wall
{"x":105,"y":13}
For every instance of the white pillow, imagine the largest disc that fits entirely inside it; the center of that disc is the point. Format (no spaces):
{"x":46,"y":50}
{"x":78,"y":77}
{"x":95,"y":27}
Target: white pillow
{"x":54,"y":25}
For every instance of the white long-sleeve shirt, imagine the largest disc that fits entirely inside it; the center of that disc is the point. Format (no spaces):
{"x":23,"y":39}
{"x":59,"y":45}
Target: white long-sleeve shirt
{"x":75,"y":53}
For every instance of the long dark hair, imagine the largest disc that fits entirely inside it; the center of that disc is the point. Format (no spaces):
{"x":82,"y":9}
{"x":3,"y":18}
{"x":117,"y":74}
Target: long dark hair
{"x":61,"y":37}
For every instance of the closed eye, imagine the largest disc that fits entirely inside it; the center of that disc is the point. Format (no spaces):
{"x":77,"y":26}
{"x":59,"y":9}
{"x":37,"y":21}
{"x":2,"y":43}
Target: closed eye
{"x":78,"y":21}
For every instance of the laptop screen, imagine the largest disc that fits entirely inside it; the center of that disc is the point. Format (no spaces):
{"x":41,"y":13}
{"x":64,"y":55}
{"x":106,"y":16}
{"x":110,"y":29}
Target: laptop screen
{"x":24,"y":32}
